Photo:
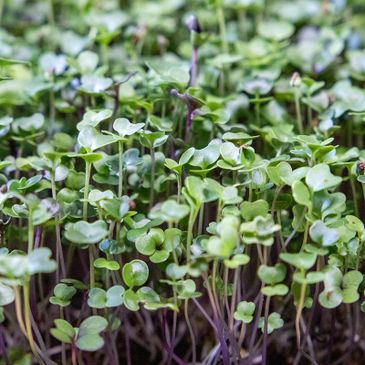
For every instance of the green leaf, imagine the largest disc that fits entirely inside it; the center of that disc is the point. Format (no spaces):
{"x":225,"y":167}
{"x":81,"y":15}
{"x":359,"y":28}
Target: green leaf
{"x":147,"y":243}
{"x":170,"y":211}
{"x":186,"y":289}
{"x":91,"y":342}
{"x":276,"y":30}
{"x":205,"y":157}
{"x":237,"y":260}
{"x":227,"y":239}
{"x":309,"y":278}
{"x":114,"y":296}
{"x":176,"y":272}
{"x":320,"y":177}
{"x":244,"y":312}
{"x":93,"y":118}
{"x":102,"y":263}
{"x":250,"y":210}
{"x":92,"y":139}
{"x":65,"y":327}
{"x":323,"y":235}
{"x":125,"y":128}
{"x":350,"y":284}
{"x":39,"y":261}
{"x":272,"y":274}
{"x":131,"y":300}
{"x":300,"y":260}
{"x":301,"y":194}
{"x":135,"y":273}
{"x":84,"y":233}
{"x":274,"y":322}
{"x":279,"y":289}
{"x":96,"y":298}
{"x":63,"y":332}
{"x":60,"y":335}
{"x":92,"y":325}
{"x":62,"y":294}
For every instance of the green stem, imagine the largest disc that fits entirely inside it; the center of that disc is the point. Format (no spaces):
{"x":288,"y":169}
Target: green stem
{"x":120,"y":174}
{"x":30,"y":232}
{"x":299,"y":312}
{"x":152,"y":182}
{"x":120,"y":180}
{"x":86,"y":194}
{"x":201,"y":220}
{"x":59,"y":252}
{"x":28,"y":323}
{"x":51,"y":20}
{"x":52,"y":108}
{"x":178,"y":187}
{"x":222,"y":28}
{"x":258,"y":110}
{"x":298,"y":111}
{"x":192,"y":218}
{"x":86,"y":189}
{"x":214,"y":287}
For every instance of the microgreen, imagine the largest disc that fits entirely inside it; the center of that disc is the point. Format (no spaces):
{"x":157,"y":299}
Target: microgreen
{"x":182,"y":182}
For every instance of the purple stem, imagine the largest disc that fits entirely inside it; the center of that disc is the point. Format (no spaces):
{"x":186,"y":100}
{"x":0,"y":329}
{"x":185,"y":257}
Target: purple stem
{"x":194,"y":67}
{"x":254,"y":331}
{"x":38,"y":234}
{"x":205,"y":314}
{"x":189,"y":119}
{"x":169,"y":347}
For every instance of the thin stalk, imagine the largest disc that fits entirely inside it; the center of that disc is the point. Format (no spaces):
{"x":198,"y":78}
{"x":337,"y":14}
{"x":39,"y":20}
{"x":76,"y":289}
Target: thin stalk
{"x":189,"y":120}
{"x":84,"y":215}
{"x":73,"y":354}
{"x":120,"y":179}
{"x":214,"y":288}
{"x":63,"y":349}
{"x":225,"y":281}
{"x":257,"y":110}
{"x":178,"y":177}
{"x":266,"y":320}
{"x":59,"y":251}
{"x":192,"y":218}
{"x":120,"y":173}
{"x":30,"y":232}
{"x":51,"y":19}
{"x":201,"y":220}
{"x":18,"y":310}
{"x":152,"y":181}
{"x":191,"y":331}
{"x":86,"y":189}
{"x":234,"y":296}
{"x":299,"y":312}
{"x":222,"y":28}
{"x":52,"y":108}
{"x":194,"y":67}
{"x":298,"y":110}
{"x":28,"y":322}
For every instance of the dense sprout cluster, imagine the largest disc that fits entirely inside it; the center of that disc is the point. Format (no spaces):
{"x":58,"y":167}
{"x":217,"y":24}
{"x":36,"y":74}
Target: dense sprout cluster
{"x":182,"y":182}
